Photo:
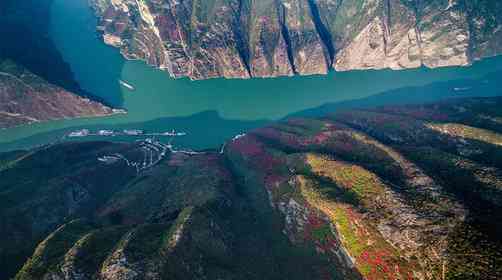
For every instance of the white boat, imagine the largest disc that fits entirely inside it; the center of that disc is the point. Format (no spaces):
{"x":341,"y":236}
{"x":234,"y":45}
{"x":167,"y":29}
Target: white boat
{"x":127,"y":85}
{"x":133,"y":132}
{"x":106,"y":132}
{"x":461,"y":88}
{"x":79,"y":133}
{"x":174,"y":133}
{"x":119,"y":111}
{"x":108,"y":159}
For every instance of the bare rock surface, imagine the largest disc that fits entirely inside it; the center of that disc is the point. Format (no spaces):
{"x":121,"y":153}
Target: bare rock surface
{"x":266,"y":38}
{"x":26,"y":98}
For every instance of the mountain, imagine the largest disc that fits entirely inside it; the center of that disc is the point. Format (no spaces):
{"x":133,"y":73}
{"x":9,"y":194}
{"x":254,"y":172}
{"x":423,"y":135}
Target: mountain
{"x":396,"y":192}
{"x":266,"y":38}
{"x":36,"y":84}
{"x":27,"y":98}
{"x":26,"y":23}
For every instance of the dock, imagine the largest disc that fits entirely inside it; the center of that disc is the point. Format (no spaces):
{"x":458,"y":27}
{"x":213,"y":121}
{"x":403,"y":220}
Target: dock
{"x":126,"y":132}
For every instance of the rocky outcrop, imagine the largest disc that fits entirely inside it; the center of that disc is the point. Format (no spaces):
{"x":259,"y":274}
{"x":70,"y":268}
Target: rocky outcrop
{"x":268,"y":38}
{"x":407,"y":192}
{"x":268,"y":45}
{"x":26,"y":98}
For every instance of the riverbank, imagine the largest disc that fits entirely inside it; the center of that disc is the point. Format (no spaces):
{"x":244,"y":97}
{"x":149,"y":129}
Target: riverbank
{"x":161,"y":103}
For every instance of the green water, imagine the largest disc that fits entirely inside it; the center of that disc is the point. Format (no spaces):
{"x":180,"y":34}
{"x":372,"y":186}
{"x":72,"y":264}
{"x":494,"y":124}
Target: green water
{"x":173,"y":103}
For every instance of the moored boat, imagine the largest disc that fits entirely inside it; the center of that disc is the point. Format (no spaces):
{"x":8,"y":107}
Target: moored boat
{"x":79,"y":133}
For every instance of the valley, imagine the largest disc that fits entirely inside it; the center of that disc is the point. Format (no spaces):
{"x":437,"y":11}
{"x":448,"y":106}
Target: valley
{"x":215,"y":108}
{"x":250,"y":139}
{"x":378,"y":193}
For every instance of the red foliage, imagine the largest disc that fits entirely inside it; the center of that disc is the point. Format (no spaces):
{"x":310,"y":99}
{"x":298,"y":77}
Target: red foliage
{"x":110,"y":12}
{"x":381,"y":264}
{"x":254,"y":152}
{"x":418,"y":113}
{"x":323,"y":137}
{"x":273,"y":179}
{"x":343,"y":147}
{"x":264,"y":20}
{"x":325,"y":274}
{"x":315,"y":221}
{"x":326,"y":245}
{"x":284,"y":138}
{"x":351,"y":214}
{"x":248,"y":146}
{"x":318,"y":139}
{"x":120,"y":27}
{"x":168,"y":27}
{"x":266,"y":162}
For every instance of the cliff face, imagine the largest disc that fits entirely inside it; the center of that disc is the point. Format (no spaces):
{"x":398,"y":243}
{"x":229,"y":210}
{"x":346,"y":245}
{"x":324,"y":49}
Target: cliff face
{"x":409,"y":192}
{"x":267,"y":38}
{"x":27,"y":98}
{"x":26,"y":23}
{"x":36,"y":84}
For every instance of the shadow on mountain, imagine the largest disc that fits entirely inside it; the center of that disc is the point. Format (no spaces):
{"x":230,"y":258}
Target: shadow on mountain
{"x":489,"y":85}
{"x":205,"y":130}
{"x":208,"y":130}
{"x":24,"y":29}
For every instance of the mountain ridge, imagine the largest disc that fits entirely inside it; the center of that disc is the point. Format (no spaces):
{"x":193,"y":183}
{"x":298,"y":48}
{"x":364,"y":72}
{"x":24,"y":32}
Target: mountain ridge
{"x":26,"y":98}
{"x":408,"y":191}
{"x":36,"y":84}
{"x":247,"y":38}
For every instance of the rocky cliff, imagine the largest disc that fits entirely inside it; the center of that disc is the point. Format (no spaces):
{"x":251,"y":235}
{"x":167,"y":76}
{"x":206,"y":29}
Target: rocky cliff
{"x":36,"y":84}
{"x":408,"y":192}
{"x":267,"y":38}
{"x":26,"y":23}
{"x":27,"y":98}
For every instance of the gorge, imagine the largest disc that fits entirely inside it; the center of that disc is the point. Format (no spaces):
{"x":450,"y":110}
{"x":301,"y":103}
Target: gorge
{"x":161,"y":103}
{"x":269,"y":38}
{"x":395,"y":192}
{"x":325,"y":139}
{"x":36,"y":84}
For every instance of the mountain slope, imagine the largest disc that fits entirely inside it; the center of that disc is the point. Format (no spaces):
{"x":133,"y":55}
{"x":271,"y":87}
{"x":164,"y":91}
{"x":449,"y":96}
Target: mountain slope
{"x":268,"y":38}
{"x":27,"y":98}
{"x":398,"y":192}
{"x":36,"y":84}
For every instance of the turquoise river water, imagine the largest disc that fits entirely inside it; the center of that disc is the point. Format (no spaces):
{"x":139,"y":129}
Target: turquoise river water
{"x":209,"y":111}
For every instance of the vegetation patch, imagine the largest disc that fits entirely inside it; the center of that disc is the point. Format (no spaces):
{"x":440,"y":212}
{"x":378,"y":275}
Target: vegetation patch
{"x":50,"y":252}
{"x":363,"y":183}
{"x":374,"y":257}
{"x":469,"y":132}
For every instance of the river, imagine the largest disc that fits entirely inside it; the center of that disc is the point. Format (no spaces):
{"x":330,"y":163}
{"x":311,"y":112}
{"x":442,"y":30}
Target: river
{"x":209,"y":111}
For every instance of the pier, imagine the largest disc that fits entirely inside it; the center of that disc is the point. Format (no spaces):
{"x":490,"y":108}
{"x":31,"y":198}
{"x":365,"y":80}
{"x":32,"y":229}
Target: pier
{"x":126,"y":132}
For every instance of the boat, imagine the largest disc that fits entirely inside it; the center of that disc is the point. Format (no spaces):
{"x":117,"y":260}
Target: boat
{"x":461,"y":88}
{"x":174,"y":133}
{"x":127,"y":85}
{"x":133,"y":132}
{"x":108,"y":159}
{"x":106,"y":132}
{"x":79,"y":133}
{"x":119,"y":111}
